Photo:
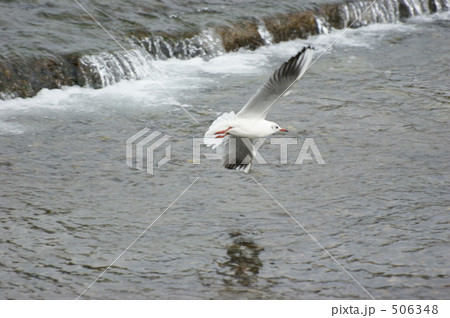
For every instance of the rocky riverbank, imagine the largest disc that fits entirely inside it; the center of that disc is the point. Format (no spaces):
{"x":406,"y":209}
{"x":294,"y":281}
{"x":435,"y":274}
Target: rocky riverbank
{"x":25,"y":76}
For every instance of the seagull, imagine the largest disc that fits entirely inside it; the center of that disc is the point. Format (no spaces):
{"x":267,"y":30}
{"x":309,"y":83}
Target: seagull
{"x":236,"y":132}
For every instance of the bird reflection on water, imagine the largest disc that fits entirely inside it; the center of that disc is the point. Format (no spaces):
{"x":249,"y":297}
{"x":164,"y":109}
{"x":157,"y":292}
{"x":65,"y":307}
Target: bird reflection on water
{"x":243,"y":264}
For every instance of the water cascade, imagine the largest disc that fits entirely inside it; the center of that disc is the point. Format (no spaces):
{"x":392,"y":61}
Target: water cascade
{"x":106,"y":68}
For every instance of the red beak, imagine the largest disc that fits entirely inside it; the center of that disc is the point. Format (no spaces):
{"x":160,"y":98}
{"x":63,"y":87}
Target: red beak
{"x":282,"y":129}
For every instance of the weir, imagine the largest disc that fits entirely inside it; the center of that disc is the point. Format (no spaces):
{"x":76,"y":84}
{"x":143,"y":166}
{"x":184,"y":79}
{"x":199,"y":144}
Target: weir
{"x":24,"y":78}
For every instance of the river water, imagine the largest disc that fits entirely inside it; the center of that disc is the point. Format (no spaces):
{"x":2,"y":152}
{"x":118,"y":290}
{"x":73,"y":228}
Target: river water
{"x":31,"y":27}
{"x":377,"y":106}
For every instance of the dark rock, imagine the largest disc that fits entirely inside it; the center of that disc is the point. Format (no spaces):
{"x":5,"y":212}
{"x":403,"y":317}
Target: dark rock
{"x":24,"y":78}
{"x":332,"y":12}
{"x":432,"y":6}
{"x":404,"y":10}
{"x":292,"y":26}
{"x":240,"y":35}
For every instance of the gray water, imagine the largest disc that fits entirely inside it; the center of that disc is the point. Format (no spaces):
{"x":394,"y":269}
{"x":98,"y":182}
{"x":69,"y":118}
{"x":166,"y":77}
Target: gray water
{"x":377,"y":106}
{"x":42,"y":27}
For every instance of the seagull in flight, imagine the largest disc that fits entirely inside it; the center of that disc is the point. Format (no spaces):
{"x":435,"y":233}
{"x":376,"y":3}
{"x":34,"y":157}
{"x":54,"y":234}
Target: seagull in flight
{"x":236,"y":132}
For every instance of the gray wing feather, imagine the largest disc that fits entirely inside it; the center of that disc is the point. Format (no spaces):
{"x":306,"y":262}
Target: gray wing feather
{"x":279,"y":84}
{"x":236,"y":153}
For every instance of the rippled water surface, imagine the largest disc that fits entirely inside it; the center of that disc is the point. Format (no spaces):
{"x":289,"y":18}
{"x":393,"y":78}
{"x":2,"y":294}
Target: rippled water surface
{"x":39,"y":27}
{"x":377,"y":106}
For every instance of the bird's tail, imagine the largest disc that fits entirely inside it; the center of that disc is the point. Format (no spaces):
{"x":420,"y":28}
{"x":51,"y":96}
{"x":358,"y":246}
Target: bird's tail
{"x":238,"y":154}
{"x":239,"y":167}
{"x":212,"y":138}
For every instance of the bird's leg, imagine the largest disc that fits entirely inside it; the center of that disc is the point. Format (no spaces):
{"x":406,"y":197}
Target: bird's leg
{"x":223,"y":131}
{"x":222,"y":136}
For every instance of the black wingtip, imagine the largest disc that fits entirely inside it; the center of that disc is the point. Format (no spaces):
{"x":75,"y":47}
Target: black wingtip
{"x":238,"y":167}
{"x":309,"y":47}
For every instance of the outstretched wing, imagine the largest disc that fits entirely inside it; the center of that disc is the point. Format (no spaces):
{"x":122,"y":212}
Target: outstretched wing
{"x":238,"y":153}
{"x":279,"y":84}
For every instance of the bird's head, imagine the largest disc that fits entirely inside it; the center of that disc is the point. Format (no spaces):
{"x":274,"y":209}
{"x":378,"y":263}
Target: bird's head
{"x":276,"y":128}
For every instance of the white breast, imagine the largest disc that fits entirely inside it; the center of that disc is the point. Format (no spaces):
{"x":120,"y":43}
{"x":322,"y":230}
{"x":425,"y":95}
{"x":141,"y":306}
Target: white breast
{"x":250,"y":128}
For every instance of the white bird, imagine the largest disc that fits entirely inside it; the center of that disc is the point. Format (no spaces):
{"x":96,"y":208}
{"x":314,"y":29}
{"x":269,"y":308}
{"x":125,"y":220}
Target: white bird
{"x":236,"y":132}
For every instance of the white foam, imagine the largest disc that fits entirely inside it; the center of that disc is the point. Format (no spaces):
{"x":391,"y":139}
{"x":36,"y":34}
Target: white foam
{"x":365,"y":37}
{"x":266,"y":36}
{"x":11,"y":128}
{"x":144,"y":92}
{"x":445,"y":15}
